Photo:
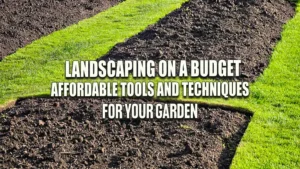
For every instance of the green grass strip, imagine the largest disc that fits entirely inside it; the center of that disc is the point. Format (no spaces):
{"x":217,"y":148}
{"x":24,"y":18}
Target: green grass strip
{"x":31,"y":69}
{"x":272,"y":139}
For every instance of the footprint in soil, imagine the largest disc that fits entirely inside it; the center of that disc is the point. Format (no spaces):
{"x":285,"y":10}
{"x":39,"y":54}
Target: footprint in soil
{"x":187,"y":150}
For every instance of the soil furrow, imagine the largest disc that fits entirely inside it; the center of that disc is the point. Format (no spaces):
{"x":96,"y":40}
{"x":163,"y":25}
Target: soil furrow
{"x":70,"y":133}
{"x":23,"y":21}
{"x":216,"y":30}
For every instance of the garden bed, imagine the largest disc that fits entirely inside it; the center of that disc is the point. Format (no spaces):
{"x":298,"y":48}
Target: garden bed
{"x":239,"y":29}
{"x":70,"y":133}
{"x":23,"y":21}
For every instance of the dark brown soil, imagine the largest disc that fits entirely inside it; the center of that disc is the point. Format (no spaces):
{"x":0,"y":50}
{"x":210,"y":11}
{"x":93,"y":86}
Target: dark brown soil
{"x":70,"y":133}
{"x":213,"y":29}
{"x":23,"y":21}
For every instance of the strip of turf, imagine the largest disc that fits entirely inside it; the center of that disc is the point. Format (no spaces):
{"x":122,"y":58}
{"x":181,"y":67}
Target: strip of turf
{"x":272,"y":139}
{"x":30,"y":70}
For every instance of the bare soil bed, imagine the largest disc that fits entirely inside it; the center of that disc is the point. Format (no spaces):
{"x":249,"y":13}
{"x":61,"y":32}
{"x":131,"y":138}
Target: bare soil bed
{"x":213,"y":29}
{"x":23,"y":21}
{"x":70,"y":133}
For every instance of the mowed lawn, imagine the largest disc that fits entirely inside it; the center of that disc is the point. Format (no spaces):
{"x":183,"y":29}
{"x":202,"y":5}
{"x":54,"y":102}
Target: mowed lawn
{"x":272,"y":139}
{"x":30,"y":71}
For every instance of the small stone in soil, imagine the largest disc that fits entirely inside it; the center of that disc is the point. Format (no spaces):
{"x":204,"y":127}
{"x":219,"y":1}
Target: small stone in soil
{"x":41,"y":123}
